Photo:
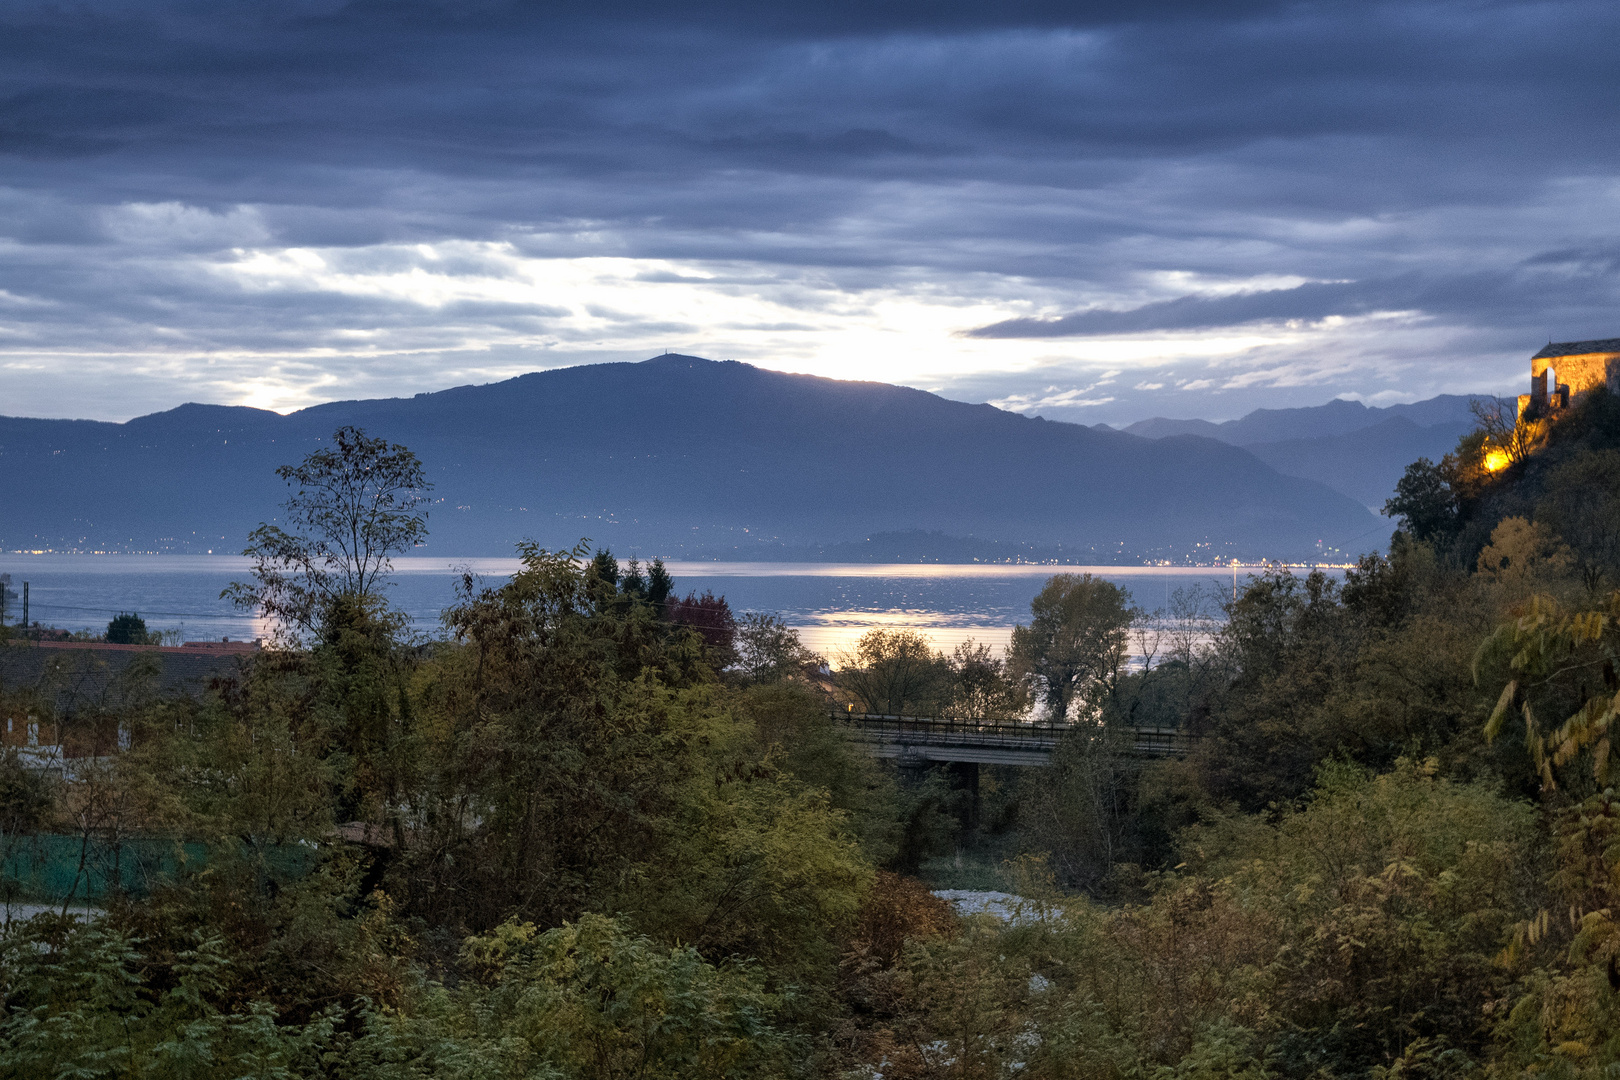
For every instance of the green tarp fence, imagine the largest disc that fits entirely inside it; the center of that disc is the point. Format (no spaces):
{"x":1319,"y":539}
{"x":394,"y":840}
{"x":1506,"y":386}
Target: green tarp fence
{"x":50,"y":867}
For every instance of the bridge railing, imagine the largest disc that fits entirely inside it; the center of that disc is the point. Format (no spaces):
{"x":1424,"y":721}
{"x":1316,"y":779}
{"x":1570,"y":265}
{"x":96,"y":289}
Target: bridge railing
{"x":1146,"y":740}
{"x":948,"y":726}
{"x":1156,"y":741}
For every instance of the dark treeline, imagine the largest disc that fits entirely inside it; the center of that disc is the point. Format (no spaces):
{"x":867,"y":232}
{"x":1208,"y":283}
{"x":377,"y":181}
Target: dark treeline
{"x":599,"y":829}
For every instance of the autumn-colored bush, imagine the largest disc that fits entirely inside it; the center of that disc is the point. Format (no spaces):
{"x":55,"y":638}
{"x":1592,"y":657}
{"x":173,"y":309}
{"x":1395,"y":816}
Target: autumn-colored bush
{"x":898,"y":908}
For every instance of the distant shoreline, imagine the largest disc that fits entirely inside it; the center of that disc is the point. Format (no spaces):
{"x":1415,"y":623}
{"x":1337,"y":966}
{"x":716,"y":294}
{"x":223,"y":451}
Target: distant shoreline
{"x":112,"y":562}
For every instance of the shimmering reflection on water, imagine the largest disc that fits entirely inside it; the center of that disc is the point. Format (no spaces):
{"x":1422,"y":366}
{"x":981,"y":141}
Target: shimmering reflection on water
{"x":831,"y":604}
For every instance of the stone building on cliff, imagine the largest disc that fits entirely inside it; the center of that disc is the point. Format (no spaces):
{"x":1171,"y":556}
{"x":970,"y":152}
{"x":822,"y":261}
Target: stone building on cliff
{"x":1562,"y":372}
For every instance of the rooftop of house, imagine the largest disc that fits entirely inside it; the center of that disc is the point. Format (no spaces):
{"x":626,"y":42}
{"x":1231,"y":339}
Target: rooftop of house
{"x":1578,"y":348}
{"x":190,"y":648}
{"x":78,"y":675}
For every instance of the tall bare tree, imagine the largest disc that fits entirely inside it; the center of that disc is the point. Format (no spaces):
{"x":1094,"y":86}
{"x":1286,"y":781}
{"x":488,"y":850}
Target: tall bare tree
{"x":354,"y":504}
{"x":1504,"y":430}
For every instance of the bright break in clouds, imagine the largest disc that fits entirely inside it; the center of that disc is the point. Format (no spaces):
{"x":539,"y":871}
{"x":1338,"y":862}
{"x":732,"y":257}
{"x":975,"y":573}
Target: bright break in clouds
{"x":1096,"y":212}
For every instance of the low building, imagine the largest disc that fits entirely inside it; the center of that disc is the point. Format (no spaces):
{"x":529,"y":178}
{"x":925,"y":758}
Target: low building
{"x":1562,"y":372}
{"x":54,"y":695}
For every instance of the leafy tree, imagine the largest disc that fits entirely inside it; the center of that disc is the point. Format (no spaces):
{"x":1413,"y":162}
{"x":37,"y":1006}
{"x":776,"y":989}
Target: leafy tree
{"x":793,"y":730}
{"x":1081,"y":811}
{"x":1425,"y":502}
{"x":1521,"y":552}
{"x":1267,"y":719}
{"x":1075,"y":644}
{"x":583,"y":1001}
{"x":982,"y":689}
{"x":769,"y":650}
{"x":1357,"y":934}
{"x":354,"y":505}
{"x":1581,"y":502}
{"x":556,"y":746}
{"x":588,"y":1000}
{"x":127,"y":628}
{"x":76,"y":1004}
{"x":1557,"y":669}
{"x":1432,"y":875}
{"x":579,"y":760}
{"x":660,"y":585}
{"x":604,"y":568}
{"x":711,"y":617}
{"x":1556,"y":665}
{"x":634,"y":581}
{"x":757,"y":864}
{"x":896,"y":672}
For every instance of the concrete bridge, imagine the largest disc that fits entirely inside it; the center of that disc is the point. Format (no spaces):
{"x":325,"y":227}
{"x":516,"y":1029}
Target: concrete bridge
{"x":923,"y":739}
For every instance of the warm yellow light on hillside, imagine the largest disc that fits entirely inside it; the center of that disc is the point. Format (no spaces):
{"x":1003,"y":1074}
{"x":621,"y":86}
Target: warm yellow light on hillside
{"x":1496,"y":460}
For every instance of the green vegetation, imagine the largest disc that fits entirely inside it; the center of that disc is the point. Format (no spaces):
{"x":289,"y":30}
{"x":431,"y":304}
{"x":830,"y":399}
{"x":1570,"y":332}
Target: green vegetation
{"x":128,"y":628}
{"x":599,"y":830}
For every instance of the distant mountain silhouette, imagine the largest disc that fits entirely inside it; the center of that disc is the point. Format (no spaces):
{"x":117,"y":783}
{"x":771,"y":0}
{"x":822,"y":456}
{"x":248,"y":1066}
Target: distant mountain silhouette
{"x":1364,"y":464}
{"x":1354,"y":449}
{"x":1337,"y":417}
{"x":682,"y":456}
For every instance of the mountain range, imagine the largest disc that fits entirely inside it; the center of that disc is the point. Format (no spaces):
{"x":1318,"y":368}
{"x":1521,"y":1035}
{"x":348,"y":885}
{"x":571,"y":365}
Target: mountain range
{"x":691,"y":458}
{"x":1353,"y":448}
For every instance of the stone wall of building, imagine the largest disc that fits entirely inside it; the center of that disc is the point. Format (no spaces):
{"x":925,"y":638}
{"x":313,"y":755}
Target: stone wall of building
{"x":1561,"y":373}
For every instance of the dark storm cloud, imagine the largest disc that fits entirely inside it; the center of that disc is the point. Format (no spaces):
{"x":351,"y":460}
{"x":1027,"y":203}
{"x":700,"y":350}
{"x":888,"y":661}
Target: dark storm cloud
{"x":1314,"y":301}
{"x":1110,"y":168}
{"x":251,"y":100}
{"x":1545,"y":288}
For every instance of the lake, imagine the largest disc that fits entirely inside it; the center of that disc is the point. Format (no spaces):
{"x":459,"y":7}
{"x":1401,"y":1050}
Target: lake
{"x":831,"y":604}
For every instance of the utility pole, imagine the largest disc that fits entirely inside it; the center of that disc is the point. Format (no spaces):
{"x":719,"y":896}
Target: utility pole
{"x":25,"y":607}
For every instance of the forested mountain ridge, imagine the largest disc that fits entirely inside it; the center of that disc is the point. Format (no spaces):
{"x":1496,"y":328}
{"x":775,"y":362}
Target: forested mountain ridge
{"x":677,"y":456}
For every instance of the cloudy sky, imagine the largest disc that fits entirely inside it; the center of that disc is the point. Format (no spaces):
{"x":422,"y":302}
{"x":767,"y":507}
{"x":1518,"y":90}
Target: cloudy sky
{"x":1094,"y":211}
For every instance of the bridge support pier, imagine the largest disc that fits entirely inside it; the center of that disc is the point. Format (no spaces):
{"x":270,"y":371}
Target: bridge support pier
{"x":965,"y":778}
{"x":912,"y":766}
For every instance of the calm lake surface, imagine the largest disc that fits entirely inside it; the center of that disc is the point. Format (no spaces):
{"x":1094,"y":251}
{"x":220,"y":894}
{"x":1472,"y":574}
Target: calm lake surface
{"x":831,"y":604}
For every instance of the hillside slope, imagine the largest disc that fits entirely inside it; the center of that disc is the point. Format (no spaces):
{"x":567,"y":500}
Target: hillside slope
{"x":679,"y":456}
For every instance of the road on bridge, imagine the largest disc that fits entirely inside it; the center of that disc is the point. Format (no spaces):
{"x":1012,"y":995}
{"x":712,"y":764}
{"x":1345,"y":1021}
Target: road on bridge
{"x":986,"y":742}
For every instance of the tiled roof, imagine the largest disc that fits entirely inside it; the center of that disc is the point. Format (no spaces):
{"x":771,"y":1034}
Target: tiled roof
{"x":79,"y":675}
{"x":1578,"y":348}
{"x":190,"y":648}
